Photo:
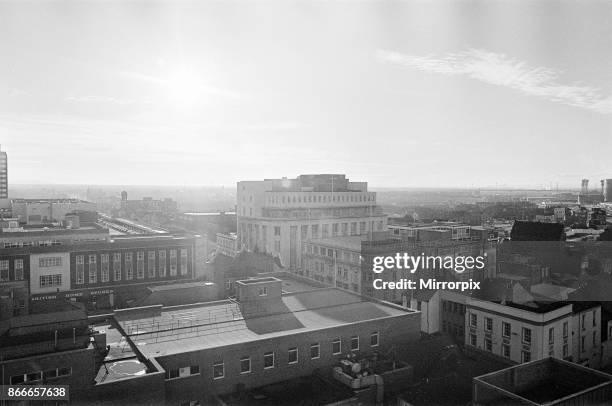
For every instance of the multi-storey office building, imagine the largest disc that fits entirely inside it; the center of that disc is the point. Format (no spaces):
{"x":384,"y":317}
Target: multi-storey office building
{"x":347,"y":262}
{"x":263,"y":337}
{"x":533,"y":331}
{"x":277,"y":215}
{"x":101,"y":274}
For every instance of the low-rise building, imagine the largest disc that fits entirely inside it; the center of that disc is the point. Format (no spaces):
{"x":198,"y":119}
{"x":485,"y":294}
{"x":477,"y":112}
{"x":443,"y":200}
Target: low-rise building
{"x":43,"y":211}
{"x":548,"y":381}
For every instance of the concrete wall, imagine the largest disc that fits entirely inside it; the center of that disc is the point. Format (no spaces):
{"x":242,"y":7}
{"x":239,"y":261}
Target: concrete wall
{"x":393,"y":331}
{"x":36,"y":271}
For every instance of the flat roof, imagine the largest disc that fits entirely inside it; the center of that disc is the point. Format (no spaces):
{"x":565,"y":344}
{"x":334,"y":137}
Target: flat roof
{"x":212,"y":213}
{"x":176,"y":286}
{"x":548,"y":380}
{"x":222,"y":323}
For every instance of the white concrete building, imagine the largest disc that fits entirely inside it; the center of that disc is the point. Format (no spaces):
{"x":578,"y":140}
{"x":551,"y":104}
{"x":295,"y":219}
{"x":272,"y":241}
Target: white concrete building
{"x":277,"y":215}
{"x":533,"y":331}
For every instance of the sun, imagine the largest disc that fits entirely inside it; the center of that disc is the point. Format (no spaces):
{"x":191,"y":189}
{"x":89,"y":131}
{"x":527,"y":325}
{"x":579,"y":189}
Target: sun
{"x":184,"y":87}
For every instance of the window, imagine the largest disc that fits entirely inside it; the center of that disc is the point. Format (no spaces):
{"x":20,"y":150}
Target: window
{"x":80,"y":269}
{"x":104,"y":267}
{"x":277,"y":231}
{"x":49,"y":281}
{"x":374,"y":339}
{"x":473,"y":320}
{"x":67,"y":371}
{"x":565,"y":350}
{"x":4,"y":270}
{"x":218,"y":370}
{"x":526,"y":335}
{"x":565,"y":329}
{"x":162,"y":264}
{"x":34,"y":376}
{"x":354,"y":343}
{"x":50,"y":374}
{"x":93,"y":271}
{"x":583,"y":321}
{"x":140,"y":265}
{"x":151,"y":264}
{"x":293,"y":355}
{"x":582,"y":343}
{"x":336,"y":346}
{"x":315,"y":351}
{"x":129,"y":270}
{"x":18,"y":269}
{"x":48,"y":262}
{"x":173,"y":266}
{"x":488,"y":324}
{"x":194,"y":369}
{"x":245,"y":365}
{"x":551,"y":335}
{"x":263,"y":291}
{"x":594,"y":318}
{"x":269,"y":360}
{"x":505,"y":329}
{"x":506,"y":350}
{"x":473,"y":340}
{"x":525,"y":356}
{"x":117,"y":266}
{"x":488,"y":344}
{"x":17,"y":379}
{"x":183,"y":262}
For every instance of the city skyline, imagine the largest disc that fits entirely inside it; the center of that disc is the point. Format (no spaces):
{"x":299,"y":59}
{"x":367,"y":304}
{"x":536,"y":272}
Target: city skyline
{"x":420,"y":94}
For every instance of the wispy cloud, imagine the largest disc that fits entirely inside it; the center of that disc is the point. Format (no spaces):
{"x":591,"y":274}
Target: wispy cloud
{"x":502,"y":70}
{"x":104,"y":99}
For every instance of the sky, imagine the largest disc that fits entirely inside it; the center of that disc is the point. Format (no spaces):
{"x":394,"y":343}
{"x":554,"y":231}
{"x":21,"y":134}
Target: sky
{"x":417,"y":93}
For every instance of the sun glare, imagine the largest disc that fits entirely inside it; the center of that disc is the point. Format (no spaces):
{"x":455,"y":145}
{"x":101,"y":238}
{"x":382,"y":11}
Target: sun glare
{"x":184,"y":87}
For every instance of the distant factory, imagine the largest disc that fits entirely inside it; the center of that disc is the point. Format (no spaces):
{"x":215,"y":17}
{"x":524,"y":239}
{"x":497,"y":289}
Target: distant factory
{"x":603,"y":194}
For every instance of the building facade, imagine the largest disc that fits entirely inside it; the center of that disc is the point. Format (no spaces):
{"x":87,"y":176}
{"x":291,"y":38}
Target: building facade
{"x":522,"y":333}
{"x":277,"y":215}
{"x":41,"y":211}
{"x":105,"y":274}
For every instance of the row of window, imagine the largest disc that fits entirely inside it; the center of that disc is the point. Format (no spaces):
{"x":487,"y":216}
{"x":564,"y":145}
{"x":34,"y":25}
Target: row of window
{"x":154,"y":267}
{"x":269,"y":361}
{"x":506,"y":329}
{"x":47,"y":262}
{"x":38,"y":376}
{"x":506,"y":348}
{"x":37,"y":243}
{"x":327,"y":198}
{"x":17,"y":268}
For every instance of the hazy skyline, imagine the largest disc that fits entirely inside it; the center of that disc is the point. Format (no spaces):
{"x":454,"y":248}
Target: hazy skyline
{"x":398,"y":93}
